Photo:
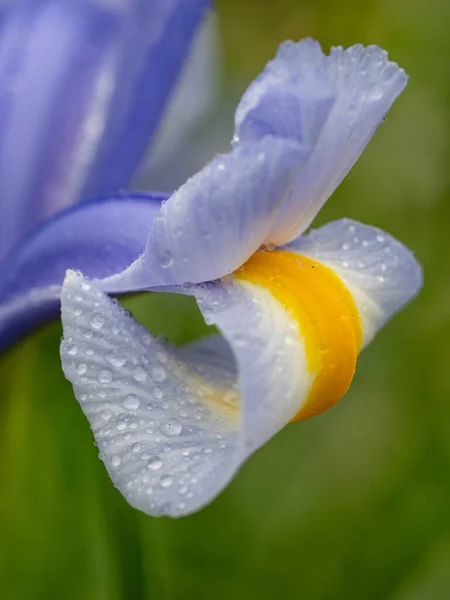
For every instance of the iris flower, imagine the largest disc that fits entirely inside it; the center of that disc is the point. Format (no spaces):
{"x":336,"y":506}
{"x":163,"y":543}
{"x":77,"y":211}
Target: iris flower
{"x":293,"y":309}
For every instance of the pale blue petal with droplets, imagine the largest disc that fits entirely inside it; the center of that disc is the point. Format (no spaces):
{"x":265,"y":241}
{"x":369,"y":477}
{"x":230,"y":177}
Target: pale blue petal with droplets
{"x":336,"y":102}
{"x":382,"y":274}
{"x":173,"y":425}
{"x":217,"y":219}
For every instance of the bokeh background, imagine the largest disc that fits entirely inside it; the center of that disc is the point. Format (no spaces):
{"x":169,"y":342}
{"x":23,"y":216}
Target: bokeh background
{"x":354,"y":504}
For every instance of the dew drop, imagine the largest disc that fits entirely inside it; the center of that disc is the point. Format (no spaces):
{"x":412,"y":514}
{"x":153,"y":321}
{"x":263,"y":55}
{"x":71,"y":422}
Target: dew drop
{"x":115,"y":460}
{"x":97,"y":321}
{"x":155,"y":463}
{"x":136,"y":447}
{"x":115,"y":359}
{"x":157,"y":393}
{"x":106,"y":414}
{"x":121,"y":425}
{"x":139,"y":373}
{"x":77,"y":311}
{"x":131,"y":402}
{"x":72,"y":349}
{"x":166,"y":260}
{"x":104,"y":376}
{"x":146,"y":339}
{"x":166,"y":481}
{"x":161,"y":356}
{"x":171,"y":427}
{"x":158,"y":374}
{"x":81,"y":368}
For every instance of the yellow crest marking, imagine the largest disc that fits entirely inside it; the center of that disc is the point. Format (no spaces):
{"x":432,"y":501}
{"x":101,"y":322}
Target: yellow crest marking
{"x":325,"y":311}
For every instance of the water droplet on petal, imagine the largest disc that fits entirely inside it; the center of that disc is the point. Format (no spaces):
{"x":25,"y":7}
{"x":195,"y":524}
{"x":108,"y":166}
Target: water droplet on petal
{"x":115,"y":359}
{"x":171,"y":427}
{"x":115,"y":460}
{"x":97,"y":321}
{"x":166,"y":481}
{"x":155,"y":463}
{"x":106,"y":414}
{"x":157,"y":393}
{"x":104,"y":376}
{"x":166,"y":259}
{"x":161,"y":356}
{"x":72,"y":349}
{"x":158,"y":374}
{"x":81,"y":368}
{"x":139,"y":373}
{"x":146,"y":339}
{"x":131,"y":402}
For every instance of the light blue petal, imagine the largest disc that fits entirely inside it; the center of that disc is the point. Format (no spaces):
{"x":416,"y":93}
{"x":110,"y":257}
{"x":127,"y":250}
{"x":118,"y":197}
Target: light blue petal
{"x":100,"y":237}
{"x":156,"y":47}
{"x":83,"y":87}
{"x":174,"y":425}
{"x":332,"y":103}
{"x":381,"y":272}
{"x":217,"y":219}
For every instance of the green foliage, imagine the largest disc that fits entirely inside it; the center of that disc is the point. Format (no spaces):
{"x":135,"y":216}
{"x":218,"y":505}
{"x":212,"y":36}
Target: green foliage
{"x":350,"y":505}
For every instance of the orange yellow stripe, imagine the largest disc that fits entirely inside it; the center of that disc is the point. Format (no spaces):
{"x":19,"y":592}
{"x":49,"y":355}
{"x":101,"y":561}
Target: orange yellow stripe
{"x":326,"y":314}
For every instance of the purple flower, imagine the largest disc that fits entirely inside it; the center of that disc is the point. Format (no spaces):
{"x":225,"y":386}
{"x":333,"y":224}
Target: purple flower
{"x":293,"y":309}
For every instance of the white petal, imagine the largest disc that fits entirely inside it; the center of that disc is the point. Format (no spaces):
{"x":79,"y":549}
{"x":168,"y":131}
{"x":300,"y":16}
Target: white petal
{"x":174,"y":425}
{"x":381,"y":273}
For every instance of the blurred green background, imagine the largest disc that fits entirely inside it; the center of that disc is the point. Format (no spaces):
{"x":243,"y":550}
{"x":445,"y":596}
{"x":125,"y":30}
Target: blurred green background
{"x":354,"y":504}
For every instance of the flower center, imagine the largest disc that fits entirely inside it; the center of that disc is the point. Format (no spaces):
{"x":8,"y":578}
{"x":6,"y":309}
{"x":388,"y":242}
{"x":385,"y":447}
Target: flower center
{"x":328,"y":320}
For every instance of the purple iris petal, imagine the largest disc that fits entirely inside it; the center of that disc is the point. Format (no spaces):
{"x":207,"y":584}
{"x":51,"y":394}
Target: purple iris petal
{"x":83,"y":85}
{"x":99,"y":237}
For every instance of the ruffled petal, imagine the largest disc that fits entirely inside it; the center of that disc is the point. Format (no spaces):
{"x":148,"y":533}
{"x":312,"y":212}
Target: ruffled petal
{"x":174,"y":425}
{"x":381,"y":273}
{"x":332,"y":103}
{"x":100,"y":237}
{"x":217,"y":219}
{"x":299,"y":128}
{"x":83,"y":87}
